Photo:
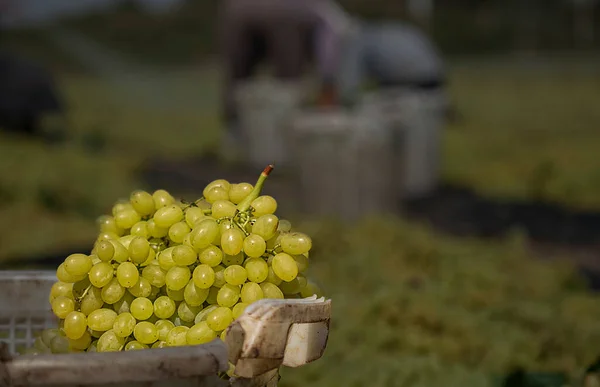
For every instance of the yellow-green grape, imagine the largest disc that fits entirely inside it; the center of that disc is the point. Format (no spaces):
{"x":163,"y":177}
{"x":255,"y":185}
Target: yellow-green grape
{"x":121,"y":205}
{"x":292,"y":287}
{"x":78,"y":265}
{"x":187,"y":312}
{"x":202,"y":204}
{"x":125,"y":240}
{"x":178,"y":231}
{"x":113,"y":291}
{"x":91,"y":301}
{"x":177,"y":336}
{"x":127,"y":274}
{"x":216,"y":193}
{"x":101,"y":320}
{"x":121,"y":252}
{"x":212,"y":295}
{"x":200,"y":334}
{"x":106,"y":223}
{"x":176,"y":295}
{"x":160,"y":344}
{"x":296,"y":243}
{"x":264,"y":205}
{"x":256,"y":269}
{"x":155,"y":275}
{"x":229,"y":260}
{"x":221,"y":183}
{"x":141,"y":308}
{"x":135,"y":345}
{"x":61,"y":289}
{"x":82,"y":343}
{"x":145,"y":332}
{"x":273,"y":278}
{"x":238,"y":309}
{"x":60,"y":344}
{"x":123,"y":305}
{"x":165,"y":259}
{"x":124,"y":324}
{"x":311,"y":289}
{"x":302,"y":262}
{"x":204,"y":233}
{"x":110,"y":342}
{"x":254,"y":246}
{"x":223,"y":209}
{"x":96,"y":334}
{"x":194,"y":295}
{"x":266,"y":226}
{"x":271,"y":290}
{"x":142,"y":288}
{"x":139,"y":248}
{"x":126,"y":218}
{"x":251,"y":291}
{"x":164,"y":307}
{"x":219,"y":276}
{"x":285,"y":267}
{"x":223,"y":335}
{"x":184,"y":255}
{"x":75,"y":325}
{"x":142,"y":202}
{"x":193,"y":215}
{"x":228,"y":295}
{"x":156,"y":231}
{"x":204,"y":276}
{"x":211,"y":256}
{"x":106,"y":236}
{"x":167,"y":216}
{"x":150,"y":259}
{"x":62,"y":306}
{"x":105,"y":251}
{"x":232,"y":241}
{"x":49,"y":334}
{"x":100,"y":274}
{"x":177,"y":277}
{"x":63,"y":276}
{"x":187,"y":240}
{"x":235,"y":275}
{"x":284,"y":226}
{"x":140,"y":229}
{"x":155,"y":292}
{"x":238,"y":192}
{"x":201,"y":316}
{"x":162,"y":198}
{"x":164,"y":327}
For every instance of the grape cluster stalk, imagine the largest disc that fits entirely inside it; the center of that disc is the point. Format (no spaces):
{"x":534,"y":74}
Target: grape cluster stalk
{"x":165,"y":273}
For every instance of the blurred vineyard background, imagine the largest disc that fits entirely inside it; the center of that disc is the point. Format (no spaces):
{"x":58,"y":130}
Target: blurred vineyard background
{"x":458,"y":293}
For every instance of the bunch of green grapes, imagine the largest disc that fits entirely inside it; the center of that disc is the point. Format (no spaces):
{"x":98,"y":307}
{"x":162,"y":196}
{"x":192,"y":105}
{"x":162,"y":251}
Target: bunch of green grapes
{"x":166,"y":273}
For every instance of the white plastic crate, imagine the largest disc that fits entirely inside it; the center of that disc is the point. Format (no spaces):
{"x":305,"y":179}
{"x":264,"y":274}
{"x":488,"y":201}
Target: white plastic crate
{"x":271,"y":333}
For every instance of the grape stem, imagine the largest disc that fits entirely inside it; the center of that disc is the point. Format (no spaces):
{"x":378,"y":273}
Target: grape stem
{"x":244,"y":205}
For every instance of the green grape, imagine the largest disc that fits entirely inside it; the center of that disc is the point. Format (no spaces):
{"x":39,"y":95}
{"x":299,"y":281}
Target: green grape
{"x":238,"y":309}
{"x":223,"y":209}
{"x":292,"y":287}
{"x":63,"y":276}
{"x":121,"y":252}
{"x":235,"y":275}
{"x":91,"y":301}
{"x":95,"y":334}
{"x":211,"y":256}
{"x":187,"y":240}
{"x":127,"y":274}
{"x":204,"y":233}
{"x":101,"y":320}
{"x":204,"y":276}
{"x":219,"y":319}
{"x":251,"y":291}
{"x":216,"y":193}
{"x":285,"y":267}
{"x":154,"y":292}
{"x":232,"y":241}
{"x":150,"y":259}
{"x":184,"y":255}
{"x":221,"y":183}
{"x":264,"y":205}
{"x":176,"y":295}
{"x":273,"y":278}
{"x":296,"y":243}
{"x":49,"y":334}
{"x":165,"y":259}
{"x":107,"y":223}
{"x":139,"y":248}
{"x":113,"y":292}
{"x":61,"y":289}
{"x":311,"y":289}
{"x":140,"y":229}
{"x":194,"y":295}
{"x":125,"y":240}
{"x":271,"y":290}
{"x":75,"y":325}
{"x":200,"y":334}
{"x":239,"y":192}
{"x":167,"y":216}
{"x":162,"y":198}
{"x":213,"y":292}
{"x":126,"y":218}
{"x":160,"y":344}
{"x":228,"y":295}
{"x":266,"y":226}
{"x":145,"y":332}
{"x":201,"y":316}
{"x":135,"y":345}
{"x":105,"y":251}
{"x":121,"y":205}
{"x":123,"y":305}
{"x":82,"y":343}
{"x":164,"y":307}
{"x":284,"y":226}
{"x":193,"y":215}
{"x":254,"y":245}
{"x":219,"y":276}
{"x":142,"y":288}
{"x":124,"y":324}
{"x":142,"y":202}
{"x":100,"y":274}
{"x":257,"y":269}
{"x":179,"y":322}
{"x":229,"y":260}
{"x":141,"y":308}
{"x":178,"y":231}
{"x":60,"y":344}
{"x":187,"y":312}
{"x":110,"y":342}
{"x":155,"y":231}
{"x":177,"y":336}
{"x":223,"y":335}
{"x":62,"y":306}
{"x":155,"y":275}
{"x":107,"y":236}
{"x":177,"y":277}
{"x":164,"y":327}
{"x":78,"y":265}
{"x":224,"y":226}
{"x":302,"y":262}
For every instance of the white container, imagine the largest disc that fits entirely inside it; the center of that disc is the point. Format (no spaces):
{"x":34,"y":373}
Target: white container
{"x":25,"y":310}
